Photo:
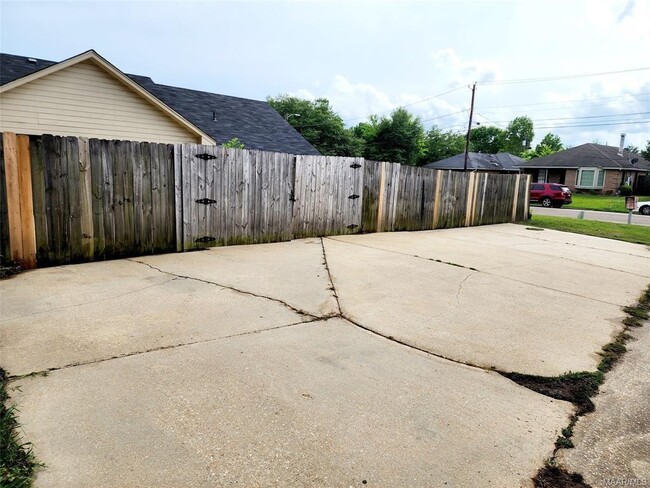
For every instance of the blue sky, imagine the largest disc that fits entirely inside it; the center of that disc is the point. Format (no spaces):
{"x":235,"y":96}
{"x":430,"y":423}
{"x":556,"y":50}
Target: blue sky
{"x":371,"y":57}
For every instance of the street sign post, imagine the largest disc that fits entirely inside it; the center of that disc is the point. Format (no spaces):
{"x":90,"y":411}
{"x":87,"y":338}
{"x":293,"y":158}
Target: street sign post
{"x":630,"y":204}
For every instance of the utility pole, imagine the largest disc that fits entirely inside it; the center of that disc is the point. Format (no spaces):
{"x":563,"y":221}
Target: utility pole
{"x":469,"y":127}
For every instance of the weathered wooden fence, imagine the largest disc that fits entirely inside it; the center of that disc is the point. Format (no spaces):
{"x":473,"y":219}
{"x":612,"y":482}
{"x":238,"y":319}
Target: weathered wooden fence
{"x":68,"y":199}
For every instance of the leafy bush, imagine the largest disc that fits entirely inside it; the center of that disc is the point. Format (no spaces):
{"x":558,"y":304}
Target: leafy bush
{"x":625,"y":190}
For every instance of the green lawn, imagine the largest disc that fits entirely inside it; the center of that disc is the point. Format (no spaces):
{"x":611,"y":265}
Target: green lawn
{"x":605,"y":203}
{"x":637,"y":234}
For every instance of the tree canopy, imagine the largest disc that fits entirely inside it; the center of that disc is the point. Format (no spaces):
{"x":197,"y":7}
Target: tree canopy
{"x":319,"y":124}
{"x":518,"y":135}
{"x":487,"y":139}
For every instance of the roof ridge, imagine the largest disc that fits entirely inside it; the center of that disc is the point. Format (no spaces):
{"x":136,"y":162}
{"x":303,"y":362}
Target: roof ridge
{"x":603,"y":153}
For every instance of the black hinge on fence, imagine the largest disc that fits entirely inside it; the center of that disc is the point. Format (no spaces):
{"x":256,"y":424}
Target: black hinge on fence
{"x":205,"y":201}
{"x":352,"y":226}
{"x":355,"y":165}
{"x":205,"y":156}
{"x":353,"y":197}
{"x":205,"y":239}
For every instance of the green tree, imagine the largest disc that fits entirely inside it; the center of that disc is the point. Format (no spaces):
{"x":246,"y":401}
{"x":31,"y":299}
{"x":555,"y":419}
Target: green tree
{"x":551,"y":142}
{"x":519,"y":134}
{"x":440,"y":145}
{"x":645,"y":153}
{"x":487,"y":139}
{"x":633,"y":149}
{"x":317,"y":122}
{"x":234,"y":143}
{"x":398,"y":138}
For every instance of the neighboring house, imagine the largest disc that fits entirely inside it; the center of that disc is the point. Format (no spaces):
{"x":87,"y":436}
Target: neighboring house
{"x":491,"y":163}
{"x":590,"y":166}
{"x":88,"y":96}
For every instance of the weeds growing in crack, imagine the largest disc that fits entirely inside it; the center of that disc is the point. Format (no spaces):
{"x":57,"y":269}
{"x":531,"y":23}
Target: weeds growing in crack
{"x":578,"y":388}
{"x":17,"y":461}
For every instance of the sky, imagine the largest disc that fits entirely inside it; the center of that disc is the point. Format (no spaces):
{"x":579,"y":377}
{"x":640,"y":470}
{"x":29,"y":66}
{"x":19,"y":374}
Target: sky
{"x":370,"y":57}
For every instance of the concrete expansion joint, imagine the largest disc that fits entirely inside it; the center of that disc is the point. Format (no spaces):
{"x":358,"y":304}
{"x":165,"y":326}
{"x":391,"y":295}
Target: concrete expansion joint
{"x":329,"y":275}
{"x":232,"y":288}
{"x":45,"y":372}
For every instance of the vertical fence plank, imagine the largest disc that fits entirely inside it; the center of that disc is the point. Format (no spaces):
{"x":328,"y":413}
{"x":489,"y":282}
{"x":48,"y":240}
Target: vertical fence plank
{"x":12,"y":188}
{"x":28,"y":231}
{"x":39,"y":199}
{"x":97,"y":180}
{"x":86,"y":201}
{"x":5,"y":252}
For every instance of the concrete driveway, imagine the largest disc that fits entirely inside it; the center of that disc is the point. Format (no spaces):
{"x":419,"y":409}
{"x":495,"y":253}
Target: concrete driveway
{"x":364,"y":360}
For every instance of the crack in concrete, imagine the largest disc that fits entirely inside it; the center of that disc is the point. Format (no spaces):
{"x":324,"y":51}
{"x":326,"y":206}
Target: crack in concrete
{"x":329,"y":274}
{"x":569,"y":243}
{"x":460,"y":287}
{"x":537,"y":285}
{"x":91,"y":302}
{"x":44,"y":372}
{"x":232,"y":288}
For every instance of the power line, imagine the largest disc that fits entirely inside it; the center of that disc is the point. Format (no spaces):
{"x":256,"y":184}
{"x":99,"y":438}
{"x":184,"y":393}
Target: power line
{"x":577,"y":117}
{"x":609,"y":124}
{"x":410,"y":104}
{"x":564,"y":102}
{"x":564,"y":77}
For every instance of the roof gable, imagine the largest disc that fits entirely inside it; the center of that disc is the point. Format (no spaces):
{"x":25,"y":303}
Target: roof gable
{"x":255,"y":123}
{"x":99,"y":61}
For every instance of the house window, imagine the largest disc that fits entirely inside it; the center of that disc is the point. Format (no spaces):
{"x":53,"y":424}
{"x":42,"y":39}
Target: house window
{"x":590,"y":178}
{"x":541,"y":176}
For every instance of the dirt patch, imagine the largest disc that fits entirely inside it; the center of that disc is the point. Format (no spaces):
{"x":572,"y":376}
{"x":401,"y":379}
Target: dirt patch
{"x":576,"y":388}
{"x":554,"y":477}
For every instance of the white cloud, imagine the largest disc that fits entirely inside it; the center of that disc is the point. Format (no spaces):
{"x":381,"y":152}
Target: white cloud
{"x":355,"y":102}
{"x":460,"y":72}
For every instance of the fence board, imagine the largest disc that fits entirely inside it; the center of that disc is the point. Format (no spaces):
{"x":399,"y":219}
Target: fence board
{"x":4,"y":224}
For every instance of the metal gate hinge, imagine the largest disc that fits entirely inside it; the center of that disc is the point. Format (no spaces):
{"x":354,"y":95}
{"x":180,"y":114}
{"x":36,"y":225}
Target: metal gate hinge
{"x":355,"y":165}
{"x":352,"y":226}
{"x":205,"y":156}
{"x":205,"y":239}
{"x":205,"y":201}
{"x":353,"y":197}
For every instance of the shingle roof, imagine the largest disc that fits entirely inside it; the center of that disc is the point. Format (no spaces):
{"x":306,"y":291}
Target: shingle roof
{"x":479,"y":161}
{"x":255,"y":123}
{"x":589,"y":156}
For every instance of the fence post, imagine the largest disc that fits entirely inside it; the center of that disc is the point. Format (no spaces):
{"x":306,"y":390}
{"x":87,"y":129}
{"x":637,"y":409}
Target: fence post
{"x":380,"y":201}
{"x":515,"y":198}
{"x":436,"y":196}
{"x":470,"y":199}
{"x":20,"y":207}
{"x":527,"y":209}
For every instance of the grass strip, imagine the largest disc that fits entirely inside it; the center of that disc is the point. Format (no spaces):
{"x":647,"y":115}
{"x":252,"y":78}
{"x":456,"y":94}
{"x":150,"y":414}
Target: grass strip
{"x":636,"y":234}
{"x":17,"y":462}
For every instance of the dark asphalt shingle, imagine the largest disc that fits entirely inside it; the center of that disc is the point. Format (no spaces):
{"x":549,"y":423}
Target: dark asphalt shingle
{"x":255,"y":123}
{"x":590,"y":155}
{"x":505,"y":162}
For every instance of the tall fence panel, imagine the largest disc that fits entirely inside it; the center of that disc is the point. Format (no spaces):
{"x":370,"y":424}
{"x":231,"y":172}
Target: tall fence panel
{"x":328,"y":196}
{"x":97,"y":199}
{"x":232,"y":196}
{"x":68,"y":199}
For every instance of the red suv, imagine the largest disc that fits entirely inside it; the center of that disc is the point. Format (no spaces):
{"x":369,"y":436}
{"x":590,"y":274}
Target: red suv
{"x":550,"y":194}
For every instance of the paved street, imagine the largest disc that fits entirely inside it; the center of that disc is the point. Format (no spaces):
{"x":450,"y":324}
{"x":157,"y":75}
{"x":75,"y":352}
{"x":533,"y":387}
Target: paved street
{"x":620,"y":218}
{"x":361,"y":360}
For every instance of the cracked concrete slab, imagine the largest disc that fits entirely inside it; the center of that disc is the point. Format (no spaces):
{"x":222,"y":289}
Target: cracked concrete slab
{"x":469,"y":316}
{"x":59,"y":316}
{"x":612,"y":444}
{"x":549,"y":271}
{"x":293,"y":271}
{"x":622,"y":256}
{"x":319,"y":404}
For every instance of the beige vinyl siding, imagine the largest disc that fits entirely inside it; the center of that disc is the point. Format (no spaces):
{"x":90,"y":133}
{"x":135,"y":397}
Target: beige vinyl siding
{"x":84,"y":100}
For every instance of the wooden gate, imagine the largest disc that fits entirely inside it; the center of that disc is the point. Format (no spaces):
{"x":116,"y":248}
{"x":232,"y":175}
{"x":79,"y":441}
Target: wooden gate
{"x":328,"y":196}
{"x":230,"y":196}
